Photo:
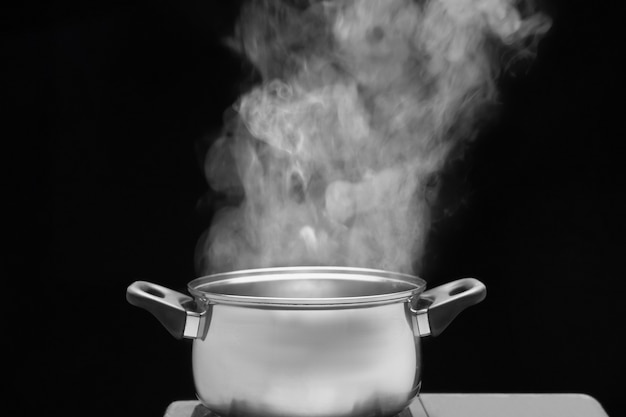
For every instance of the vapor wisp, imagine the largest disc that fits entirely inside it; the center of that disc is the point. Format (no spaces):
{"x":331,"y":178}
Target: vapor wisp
{"x":361,"y":104}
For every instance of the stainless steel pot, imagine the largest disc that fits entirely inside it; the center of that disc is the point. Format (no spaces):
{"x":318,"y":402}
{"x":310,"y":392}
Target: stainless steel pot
{"x":307,"y":341}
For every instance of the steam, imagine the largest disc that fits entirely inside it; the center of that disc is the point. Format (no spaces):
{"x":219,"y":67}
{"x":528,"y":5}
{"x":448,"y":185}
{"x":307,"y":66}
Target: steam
{"x":362,"y":103}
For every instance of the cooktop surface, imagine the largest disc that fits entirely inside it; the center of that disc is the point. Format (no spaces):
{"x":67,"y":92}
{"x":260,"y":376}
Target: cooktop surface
{"x":466,"y":405}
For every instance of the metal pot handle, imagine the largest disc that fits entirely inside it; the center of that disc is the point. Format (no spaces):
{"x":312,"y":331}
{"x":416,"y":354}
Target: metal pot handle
{"x":176,"y":311}
{"x":437,"y":308}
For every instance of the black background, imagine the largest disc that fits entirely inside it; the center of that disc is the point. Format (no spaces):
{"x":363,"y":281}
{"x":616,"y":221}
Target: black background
{"x":109,"y":107}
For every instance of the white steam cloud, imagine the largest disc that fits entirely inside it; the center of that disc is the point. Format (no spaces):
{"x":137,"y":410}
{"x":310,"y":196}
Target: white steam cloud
{"x":362,"y":102}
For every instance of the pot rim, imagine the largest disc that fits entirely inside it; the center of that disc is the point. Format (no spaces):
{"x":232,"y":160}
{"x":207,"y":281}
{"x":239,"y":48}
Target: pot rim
{"x":211,"y":288}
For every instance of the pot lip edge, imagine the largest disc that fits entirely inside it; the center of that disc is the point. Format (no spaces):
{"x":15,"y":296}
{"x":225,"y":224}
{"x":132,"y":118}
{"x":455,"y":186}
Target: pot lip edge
{"x":417,"y":283}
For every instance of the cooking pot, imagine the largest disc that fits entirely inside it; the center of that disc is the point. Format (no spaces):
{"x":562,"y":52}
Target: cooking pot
{"x":307,"y":341}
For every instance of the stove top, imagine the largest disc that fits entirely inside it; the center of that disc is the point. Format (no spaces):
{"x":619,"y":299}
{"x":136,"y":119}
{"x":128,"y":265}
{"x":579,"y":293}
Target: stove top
{"x":465,"y":405}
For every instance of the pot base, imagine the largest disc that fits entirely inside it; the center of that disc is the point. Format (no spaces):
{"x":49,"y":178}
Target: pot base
{"x":196,"y":409}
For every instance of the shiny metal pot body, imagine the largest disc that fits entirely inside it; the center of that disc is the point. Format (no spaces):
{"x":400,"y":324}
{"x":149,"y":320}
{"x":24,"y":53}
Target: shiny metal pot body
{"x":307,"y":341}
{"x":329,"y":362}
